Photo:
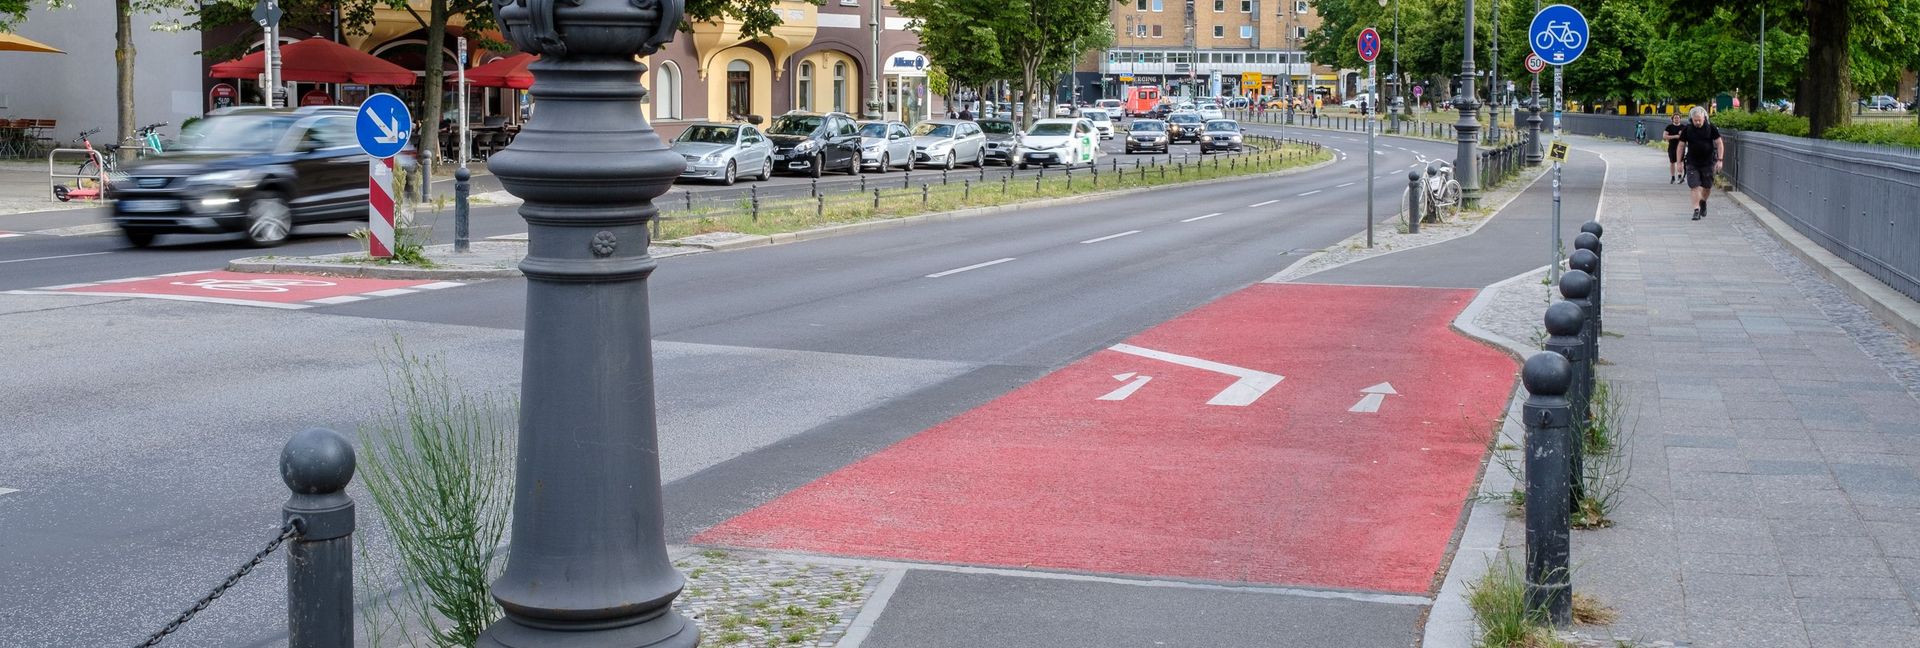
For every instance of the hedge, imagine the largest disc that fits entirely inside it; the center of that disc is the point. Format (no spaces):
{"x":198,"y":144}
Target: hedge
{"x":1904,"y":134}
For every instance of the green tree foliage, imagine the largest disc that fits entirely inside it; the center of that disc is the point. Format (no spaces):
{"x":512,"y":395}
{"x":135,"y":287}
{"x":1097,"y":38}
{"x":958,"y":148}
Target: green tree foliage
{"x":14,"y":11}
{"x":1029,"y":41}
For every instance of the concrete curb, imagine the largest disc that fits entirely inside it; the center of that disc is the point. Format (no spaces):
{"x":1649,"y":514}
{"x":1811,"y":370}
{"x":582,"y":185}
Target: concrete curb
{"x":270,"y":265}
{"x":1891,"y":306}
{"x":853,"y":228}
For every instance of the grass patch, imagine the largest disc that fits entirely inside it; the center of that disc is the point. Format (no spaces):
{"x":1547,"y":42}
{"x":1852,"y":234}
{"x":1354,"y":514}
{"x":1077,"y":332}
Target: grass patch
{"x":1500,"y":613}
{"x":1606,"y":466}
{"x":1590,"y":611}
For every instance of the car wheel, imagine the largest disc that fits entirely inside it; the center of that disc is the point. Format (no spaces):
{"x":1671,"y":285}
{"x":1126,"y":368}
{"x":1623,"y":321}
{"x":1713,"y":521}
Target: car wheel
{"x":766,"y":170}
{"x":853,"y":164}
{"x":886,"y":162}
{"x":819,"y":165}
{"x":268,"y":221}
{"x":731,"y":174}
{"x":949,"y":166}
{"x":138,"y":239}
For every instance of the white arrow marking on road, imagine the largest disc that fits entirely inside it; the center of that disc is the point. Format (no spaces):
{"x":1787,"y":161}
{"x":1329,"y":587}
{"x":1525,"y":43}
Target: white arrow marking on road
{"x":393,"y":132}
{"x":1375,"y":395}
{"x":1128,"y":389}
{"x":1252,"y":384}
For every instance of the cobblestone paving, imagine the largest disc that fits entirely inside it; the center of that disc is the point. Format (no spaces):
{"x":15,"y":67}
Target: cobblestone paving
{"x":742,"y":599}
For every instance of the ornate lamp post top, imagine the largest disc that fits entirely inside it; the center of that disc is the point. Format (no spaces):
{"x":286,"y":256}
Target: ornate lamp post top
{"x":563,"y":28}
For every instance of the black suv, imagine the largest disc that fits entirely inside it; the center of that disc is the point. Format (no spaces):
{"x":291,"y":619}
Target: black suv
{"x":1185,"y":126}
{"x":249,"y":169}
{"x":811,"y":143}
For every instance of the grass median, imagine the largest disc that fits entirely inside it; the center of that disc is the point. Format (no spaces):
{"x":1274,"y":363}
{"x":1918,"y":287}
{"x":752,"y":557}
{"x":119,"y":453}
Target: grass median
{"x":773,"y":216}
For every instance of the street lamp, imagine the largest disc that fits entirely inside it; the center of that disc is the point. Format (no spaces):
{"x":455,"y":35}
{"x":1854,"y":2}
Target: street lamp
{"x":589,"y":566}
{"x":1465,"y":165}
{"x":1293,"y":7}
{"x":1533,"y":114}
{"x":1399,"y":84}
{"x":874,"y":102}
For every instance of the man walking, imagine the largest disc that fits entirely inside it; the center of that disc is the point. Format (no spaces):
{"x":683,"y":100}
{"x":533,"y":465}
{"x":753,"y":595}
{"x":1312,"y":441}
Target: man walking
{"x":1701,"y":151}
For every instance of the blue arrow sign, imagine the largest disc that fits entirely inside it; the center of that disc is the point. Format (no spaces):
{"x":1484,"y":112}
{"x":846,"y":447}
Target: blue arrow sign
{"x":1369,"y":44}
{"x":1558,"y":34}
{"x":382,"y":125}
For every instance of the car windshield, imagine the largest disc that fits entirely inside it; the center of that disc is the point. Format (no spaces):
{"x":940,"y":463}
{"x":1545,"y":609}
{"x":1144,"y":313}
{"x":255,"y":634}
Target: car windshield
{"x":1094,"y":114}
{"x":1223,"y":125}
{"x":708,"y":135}
{"x":1149,"y":126}
{"x":997,"y":127}
{"x":1051,"y":128}
{"x":235,"y":133}
{"x":929,"y":129}
{"x":876,"y":130}
{"x":1184,"y":118}
{"x":796,"y":125}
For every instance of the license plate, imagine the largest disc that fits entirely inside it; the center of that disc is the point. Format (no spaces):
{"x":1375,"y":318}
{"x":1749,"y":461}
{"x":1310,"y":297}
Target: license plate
{"x":1043,"y":156}
{"x":146,"y":206}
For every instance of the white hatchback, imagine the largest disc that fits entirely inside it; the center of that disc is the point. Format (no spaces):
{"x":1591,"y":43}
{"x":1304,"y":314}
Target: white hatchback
{"x":1210,"y":112}
{"x":1102,"y":121}
{"x":1058,"y":141}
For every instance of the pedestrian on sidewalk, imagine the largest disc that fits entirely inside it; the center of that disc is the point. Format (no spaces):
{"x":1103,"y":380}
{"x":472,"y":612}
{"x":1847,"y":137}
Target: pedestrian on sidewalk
{"x":1701,"y":151}
{"x":1675,"y":175}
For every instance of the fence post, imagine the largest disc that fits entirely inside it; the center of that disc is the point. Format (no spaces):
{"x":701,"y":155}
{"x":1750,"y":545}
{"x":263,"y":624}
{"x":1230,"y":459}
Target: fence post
{"x":1069,"y":178}
{"x":1414,"y":196}
{"x":907,"y":182}
{"x":943,"y":177}
{"x":876,"y":199}
{"x":966,"y":190}
{"x":813,"y":187}
{"x":820,"y":207}
{"x":689,"y":196}
{"x":923,"y":194}
{"x":462,"y":185}
{"x":1003,"y":183}
{"x":1549,"y":500}
{"x":316,"y":465}
{"x":863,"y":183}
{"x":754,"y":191}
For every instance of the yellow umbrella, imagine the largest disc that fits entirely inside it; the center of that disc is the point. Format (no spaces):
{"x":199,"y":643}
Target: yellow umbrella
{"x":17,"y":43}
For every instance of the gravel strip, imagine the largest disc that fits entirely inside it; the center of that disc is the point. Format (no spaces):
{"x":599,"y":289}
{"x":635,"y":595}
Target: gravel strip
{"x":742,"y":599}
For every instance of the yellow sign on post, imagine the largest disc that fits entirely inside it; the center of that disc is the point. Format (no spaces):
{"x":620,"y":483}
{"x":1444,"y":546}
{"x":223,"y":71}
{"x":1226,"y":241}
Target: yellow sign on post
{"x":1557,"y":152}
{"x":1249,"y":80}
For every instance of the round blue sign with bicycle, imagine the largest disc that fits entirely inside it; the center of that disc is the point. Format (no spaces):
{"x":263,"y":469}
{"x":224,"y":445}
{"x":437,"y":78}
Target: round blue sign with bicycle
{"x":382,"y":125}
{"x":1558,"y":34}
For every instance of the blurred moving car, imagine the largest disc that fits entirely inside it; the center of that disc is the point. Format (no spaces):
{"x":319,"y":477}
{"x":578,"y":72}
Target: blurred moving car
{"x":885,"y":145}
{"x":1058,"y":141}
{"x":810,"y":143}
{"x":946,"y":142}
{"x":1185,"y":126}
{"x":721,"y":152}
{"x":1147,"y":135}
{"x":1102,"y":121}
{"x":1112,"y":106}
{"x":1063,"y":110}
{"x":1002,"y":137}
{"x":258,"y":171}
{"x":1220,"y":135}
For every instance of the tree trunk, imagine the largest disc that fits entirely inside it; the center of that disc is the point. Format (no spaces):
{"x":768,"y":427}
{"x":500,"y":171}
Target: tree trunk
{"x":1828,"y":80}
{"x":1029,"y":77}
{"x":123,"y":64}
{"x":432,"y":83}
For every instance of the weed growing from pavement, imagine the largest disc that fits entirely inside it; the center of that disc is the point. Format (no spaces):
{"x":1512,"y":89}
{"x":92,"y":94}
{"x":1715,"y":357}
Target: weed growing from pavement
{"x":963,"y":191}
{"x":1606,"y":465}
{"x":1588,"y":610}
{"x":1500,"y":613}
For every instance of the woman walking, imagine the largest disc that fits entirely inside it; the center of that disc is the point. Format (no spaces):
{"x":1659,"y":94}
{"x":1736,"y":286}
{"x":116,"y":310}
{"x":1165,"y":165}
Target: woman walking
{"x":1676,"y":176}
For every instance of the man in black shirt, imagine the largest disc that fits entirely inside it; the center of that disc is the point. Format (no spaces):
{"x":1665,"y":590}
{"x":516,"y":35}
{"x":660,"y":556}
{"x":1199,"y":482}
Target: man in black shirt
{"x":1701,"y":151}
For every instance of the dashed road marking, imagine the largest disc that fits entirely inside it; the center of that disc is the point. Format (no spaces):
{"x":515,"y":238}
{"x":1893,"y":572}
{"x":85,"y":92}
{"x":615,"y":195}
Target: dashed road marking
{"x":1201,"y":217}
{"x":1349,"y":184}
{"x":1110,"y":237}
{"x":1263,"y":203}
{"x":1309,"y":193}
{"x":390,"y":292}
{"x":4,"y":491}
{"x":975,"y":266}
{"x":50,"y":258}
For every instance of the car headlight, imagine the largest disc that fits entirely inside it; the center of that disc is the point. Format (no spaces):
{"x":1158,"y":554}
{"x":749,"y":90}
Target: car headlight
{"x":806,"y":147}
{"x":235,"y":177}
{"x":710,"y":157}
{"x":872,"y":148}
{"x":939,"y":148}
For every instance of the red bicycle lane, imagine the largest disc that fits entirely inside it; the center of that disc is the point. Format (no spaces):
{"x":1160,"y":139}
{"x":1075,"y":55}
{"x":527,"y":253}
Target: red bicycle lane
{"x":1287,"y":434}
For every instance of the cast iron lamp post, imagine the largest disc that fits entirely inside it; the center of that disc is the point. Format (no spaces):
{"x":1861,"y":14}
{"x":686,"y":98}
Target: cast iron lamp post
{"x":1465,"y":163}
{"x":589,"y":565}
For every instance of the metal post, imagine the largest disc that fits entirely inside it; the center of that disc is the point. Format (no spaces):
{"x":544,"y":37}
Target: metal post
{"x":753,"y":202}
{"x":462,"y":185}
{"x":1549,"y":499}
{"x":1566,"y":323}
{"x":1415,"y":192}
{"x":426,"y":175}
{"x":876,"y":200}
{"x":875,"y":106}
{"x":1554,"y":269}
{"x":316,"y":465}
{"x":1399,"y":84}
{"x":1467,"y":129}
{"x":1493,"y":81}
{"x":1374,"y":79}
{"x":589,"y":564}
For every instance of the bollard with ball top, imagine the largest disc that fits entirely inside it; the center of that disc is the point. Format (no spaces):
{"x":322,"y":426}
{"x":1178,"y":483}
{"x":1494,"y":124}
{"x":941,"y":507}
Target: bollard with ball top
{"x":1577,"y":286}
{"x":317,"y":464}
{"x":1564,"y":322}
{"x":1549,"y":496}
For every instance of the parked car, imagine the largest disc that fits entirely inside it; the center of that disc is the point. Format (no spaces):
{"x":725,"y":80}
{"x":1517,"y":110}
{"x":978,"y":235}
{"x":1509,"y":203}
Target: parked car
{"x":885,"y":145}
{"x":1147,"y":135}
{"x":1185,"y":126}
{"x":1210,"y":111}
{"x":1102,"y":121}
{"x":1002,"y":137}
{"x":947,"y":142}
{"x":1058,"y":141}
{"x":1220,"y":135}
{"x":811,"y":143}
{"x":1063,"y":110}
{"x":258,"y":171}
{"x":721,"y":152}
{"x":1881,"y":102}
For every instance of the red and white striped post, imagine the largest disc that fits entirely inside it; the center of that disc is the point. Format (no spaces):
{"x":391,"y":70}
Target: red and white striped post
{"x":380,"y":208}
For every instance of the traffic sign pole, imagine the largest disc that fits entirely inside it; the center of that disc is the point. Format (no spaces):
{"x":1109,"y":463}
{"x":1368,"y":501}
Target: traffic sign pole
{"x":1558,"y":35}
{"x":1553,"y":271}
{"x":380,"y":208}
{"x":383,"y":126}
{"x":1370,"y":50}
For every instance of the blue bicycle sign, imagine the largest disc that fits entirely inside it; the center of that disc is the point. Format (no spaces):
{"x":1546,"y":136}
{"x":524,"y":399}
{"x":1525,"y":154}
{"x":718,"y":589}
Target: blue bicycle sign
{"x":1559,"y":34}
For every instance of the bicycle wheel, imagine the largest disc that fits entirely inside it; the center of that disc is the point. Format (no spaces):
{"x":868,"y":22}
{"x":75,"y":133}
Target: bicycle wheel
{"x":1450,"y":197}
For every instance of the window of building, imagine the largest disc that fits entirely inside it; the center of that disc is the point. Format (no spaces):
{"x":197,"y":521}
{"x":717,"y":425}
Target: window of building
{"x":840,"y":87}
{"x":1219,"y":31}
{"x":1159,"y":5}
{"x":1140,"y":5}
{"x":1219,"y":5}
{"x":1246,"y":31}
{"x":805,"y":100}
{"x":666,"y":91}
{"x":1246,"y":6}
{"x":1300,"y":33}
{"x":1139,"y":30}
{"x":1300,"y":6}
{"x":739,"y":88}
{"x":1156,"y":31}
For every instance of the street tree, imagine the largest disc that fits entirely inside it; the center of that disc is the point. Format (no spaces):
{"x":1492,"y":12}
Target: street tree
{"x":1035,"y":40}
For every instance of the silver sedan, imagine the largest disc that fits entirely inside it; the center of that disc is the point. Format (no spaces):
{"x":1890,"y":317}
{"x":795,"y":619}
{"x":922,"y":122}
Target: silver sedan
{"x":944,"y":143}
{"x":723,"y":152}
{"x":885,"y":145}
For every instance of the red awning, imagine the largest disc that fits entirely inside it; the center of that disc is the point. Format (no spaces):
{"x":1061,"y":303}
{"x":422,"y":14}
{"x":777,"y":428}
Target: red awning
{"x":318,"y":60}
{"x":505,"y":72}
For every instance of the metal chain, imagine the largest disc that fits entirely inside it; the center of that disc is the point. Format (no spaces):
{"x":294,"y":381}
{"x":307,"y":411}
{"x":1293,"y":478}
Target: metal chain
{"x":287,"y":531}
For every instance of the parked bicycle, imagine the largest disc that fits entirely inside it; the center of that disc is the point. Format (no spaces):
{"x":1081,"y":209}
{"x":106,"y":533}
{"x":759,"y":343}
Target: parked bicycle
{"x":1441,"y":190}
{"x":147,"y":139}
{"x":99,"y":163}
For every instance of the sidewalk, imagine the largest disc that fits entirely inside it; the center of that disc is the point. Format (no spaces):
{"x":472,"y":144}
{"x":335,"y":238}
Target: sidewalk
{"x":1773,"y":498}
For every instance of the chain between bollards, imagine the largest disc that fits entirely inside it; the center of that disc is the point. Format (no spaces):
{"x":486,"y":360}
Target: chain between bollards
{"x":288,"y":530}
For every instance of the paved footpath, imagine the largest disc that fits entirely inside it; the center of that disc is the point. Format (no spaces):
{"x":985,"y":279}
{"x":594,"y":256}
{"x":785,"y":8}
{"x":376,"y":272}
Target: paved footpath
{"x":1774,"y":494}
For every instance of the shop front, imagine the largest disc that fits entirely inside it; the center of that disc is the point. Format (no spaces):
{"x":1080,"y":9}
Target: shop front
{"x":904,"y":84}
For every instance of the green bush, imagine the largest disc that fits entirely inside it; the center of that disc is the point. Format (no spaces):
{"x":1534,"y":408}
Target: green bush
{"x":1903,"y":134}
{"x":1906,"y":135}
{"x":1762,"y":122}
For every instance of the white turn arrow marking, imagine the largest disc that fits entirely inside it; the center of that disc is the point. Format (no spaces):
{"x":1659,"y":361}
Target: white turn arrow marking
{"x":1375,"y":395}
{"x":1252,"y":384}
{"x":393,"y":130}
{"x":1128,"y":389}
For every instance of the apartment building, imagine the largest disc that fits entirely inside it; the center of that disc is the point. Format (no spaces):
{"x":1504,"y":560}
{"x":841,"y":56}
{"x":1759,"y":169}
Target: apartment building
{"x":1206,"y":47}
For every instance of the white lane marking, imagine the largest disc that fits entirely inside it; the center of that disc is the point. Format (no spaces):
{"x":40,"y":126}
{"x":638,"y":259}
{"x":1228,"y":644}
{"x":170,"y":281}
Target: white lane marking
{"x":1251,"y":385}
{"x":1370,"y":403}
{"x":4,"y":491}
{"x":1263,"y":204}
{"x":9,"y":235}
{"x":206,"y":300}
{"x":438,"y":285}
{"x":66,"y":286}
{"x":1128,"y":389}
{"x":1110,"y":237}
{"x":1309,"y":193}
{"x":343,"y":299}
{"x":124,"y":280}
{"x":50,"y":258}
{"x":183,"y":274}
{"x":1349,"y":184}
{"x":1201,"y":217}
{"x":975,"y":266}
{"x":390,"y":292}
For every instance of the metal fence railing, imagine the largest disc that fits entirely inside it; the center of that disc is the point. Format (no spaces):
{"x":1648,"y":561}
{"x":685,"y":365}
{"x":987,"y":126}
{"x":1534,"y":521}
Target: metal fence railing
{"x":1407,"y":127}
{"x":1502,"y":163}
{"x":1855,"y":200}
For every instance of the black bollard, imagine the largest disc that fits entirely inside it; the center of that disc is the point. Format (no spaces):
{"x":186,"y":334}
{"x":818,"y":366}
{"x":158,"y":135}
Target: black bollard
{"x":1413,"y":201}
{"x":1590,"y":241}
{"x":317,"y":465}
{"x":1564,"y":322}
{"x":1549,"y":500}
{"x":1577,"y":287}
{"x":462,"y":186}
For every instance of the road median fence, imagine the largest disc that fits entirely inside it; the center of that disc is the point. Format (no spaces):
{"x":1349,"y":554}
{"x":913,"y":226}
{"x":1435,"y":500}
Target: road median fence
{"x":1355,"y":123}
{"x":880,"y":197}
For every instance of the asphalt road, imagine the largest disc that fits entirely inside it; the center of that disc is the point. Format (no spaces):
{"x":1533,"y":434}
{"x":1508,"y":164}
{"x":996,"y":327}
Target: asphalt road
{"x":141,"y":435}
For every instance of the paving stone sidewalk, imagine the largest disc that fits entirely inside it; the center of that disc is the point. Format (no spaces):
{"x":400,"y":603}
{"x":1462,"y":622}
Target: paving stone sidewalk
{"x":1774,"y":497}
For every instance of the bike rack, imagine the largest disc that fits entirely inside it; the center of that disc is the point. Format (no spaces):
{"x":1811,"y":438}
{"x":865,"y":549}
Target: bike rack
{"x":53,"y":177}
